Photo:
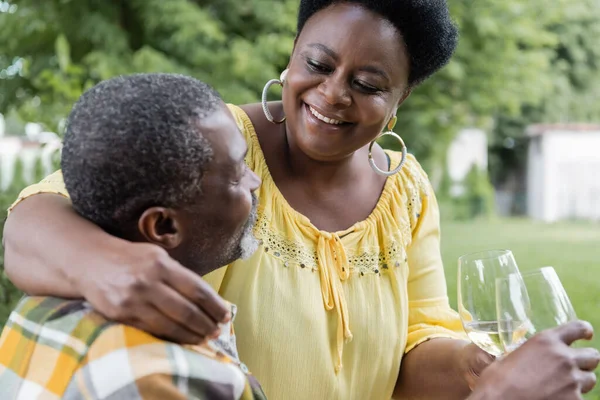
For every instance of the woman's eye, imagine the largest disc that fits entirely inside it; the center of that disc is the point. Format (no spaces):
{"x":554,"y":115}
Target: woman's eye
{"x":365,"y":87}
{"x":318,"y":67}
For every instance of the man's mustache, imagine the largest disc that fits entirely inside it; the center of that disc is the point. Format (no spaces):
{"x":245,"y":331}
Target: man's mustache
{"x":253,"y":213}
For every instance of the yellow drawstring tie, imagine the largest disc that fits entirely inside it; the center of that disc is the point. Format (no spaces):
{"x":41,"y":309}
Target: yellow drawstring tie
{"x":333,"y":269}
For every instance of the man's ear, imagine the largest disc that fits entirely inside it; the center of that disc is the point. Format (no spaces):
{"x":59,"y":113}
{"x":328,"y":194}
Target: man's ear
{"x":161,"y":226}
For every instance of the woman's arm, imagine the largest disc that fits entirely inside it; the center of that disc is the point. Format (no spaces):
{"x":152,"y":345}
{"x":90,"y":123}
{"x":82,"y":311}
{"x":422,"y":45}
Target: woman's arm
{"x":51,"y":250}
{"x":440,"y":362}
{"x":441,"y":369}
{"x":35,"y":236}
{"x":431,"y":371}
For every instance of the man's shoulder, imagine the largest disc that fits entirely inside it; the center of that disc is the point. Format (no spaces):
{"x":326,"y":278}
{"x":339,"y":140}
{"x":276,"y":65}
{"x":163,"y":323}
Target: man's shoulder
{"x":147,"y":365}
{"x":43,"y":343}
{"x":106,"y":359}
{"x":64,"y":325}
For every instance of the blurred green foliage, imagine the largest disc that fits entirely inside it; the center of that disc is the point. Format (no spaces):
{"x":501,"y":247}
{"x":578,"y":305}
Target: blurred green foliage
{"x":475,"y":200}
{"x":512,"y":54}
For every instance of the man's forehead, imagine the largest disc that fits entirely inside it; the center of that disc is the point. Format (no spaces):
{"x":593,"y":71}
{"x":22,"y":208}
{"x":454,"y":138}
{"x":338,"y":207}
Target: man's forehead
{"x":224,"y":136}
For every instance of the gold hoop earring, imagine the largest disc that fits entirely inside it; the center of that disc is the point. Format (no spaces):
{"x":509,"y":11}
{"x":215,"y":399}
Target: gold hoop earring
{"x":378,"y":170}
{"x":265,"y":91}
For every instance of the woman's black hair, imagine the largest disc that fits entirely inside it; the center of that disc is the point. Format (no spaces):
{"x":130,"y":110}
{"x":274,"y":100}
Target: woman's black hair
{"x":428,"y":32}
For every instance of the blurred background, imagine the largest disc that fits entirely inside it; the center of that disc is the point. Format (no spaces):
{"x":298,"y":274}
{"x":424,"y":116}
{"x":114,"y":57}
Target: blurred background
{"x":509,"y":131}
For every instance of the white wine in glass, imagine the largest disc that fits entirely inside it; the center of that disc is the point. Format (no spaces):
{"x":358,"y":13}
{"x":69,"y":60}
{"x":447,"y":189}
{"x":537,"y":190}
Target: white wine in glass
{"x":485,"y":335}
{"x":477,"y":274}
{"x":532,"y":301}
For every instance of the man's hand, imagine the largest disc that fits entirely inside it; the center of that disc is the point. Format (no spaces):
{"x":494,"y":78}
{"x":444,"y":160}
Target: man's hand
{"x":545,"y":367}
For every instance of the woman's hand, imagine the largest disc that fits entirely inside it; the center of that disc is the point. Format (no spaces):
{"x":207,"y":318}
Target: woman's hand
{"x":138,"y":284}
{"x":472,"y":362}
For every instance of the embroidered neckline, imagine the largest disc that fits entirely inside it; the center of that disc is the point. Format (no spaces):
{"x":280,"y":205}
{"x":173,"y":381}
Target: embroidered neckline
{"x":365,"y":261}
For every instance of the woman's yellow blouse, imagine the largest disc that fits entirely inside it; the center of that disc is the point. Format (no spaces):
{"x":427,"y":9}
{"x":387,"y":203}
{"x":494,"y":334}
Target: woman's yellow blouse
{"x":329,"y":315}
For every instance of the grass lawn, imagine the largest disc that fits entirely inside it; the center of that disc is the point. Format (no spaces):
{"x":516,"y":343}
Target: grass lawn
{"x":573,"y":249}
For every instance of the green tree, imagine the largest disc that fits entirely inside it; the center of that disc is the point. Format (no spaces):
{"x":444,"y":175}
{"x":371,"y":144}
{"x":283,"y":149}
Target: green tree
{"x":53,"y":50}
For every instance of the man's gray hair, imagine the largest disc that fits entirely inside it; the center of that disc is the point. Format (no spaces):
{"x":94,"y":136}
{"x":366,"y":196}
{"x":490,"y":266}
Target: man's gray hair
{"x":133,"y":142}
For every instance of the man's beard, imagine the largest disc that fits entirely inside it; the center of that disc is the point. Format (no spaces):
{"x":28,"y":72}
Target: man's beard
{"x":243,"y":245}
{"x":249,"y":243}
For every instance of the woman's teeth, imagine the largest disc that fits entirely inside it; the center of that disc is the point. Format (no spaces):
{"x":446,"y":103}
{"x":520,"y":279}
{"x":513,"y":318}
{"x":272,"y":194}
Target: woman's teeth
{"x":323,"y":118}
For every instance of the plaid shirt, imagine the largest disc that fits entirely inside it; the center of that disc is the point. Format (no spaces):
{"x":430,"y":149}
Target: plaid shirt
{"x":53,"y":348}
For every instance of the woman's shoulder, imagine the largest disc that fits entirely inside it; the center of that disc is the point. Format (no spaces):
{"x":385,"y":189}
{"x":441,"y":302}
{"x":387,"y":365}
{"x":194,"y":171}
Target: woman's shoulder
{"x":263,"y":137}
{"x":250,"y":118}
{"x":245,"y":117}
{"x":412,"y":175}
{"x":242,"y":119}
{"x":410,"y":189}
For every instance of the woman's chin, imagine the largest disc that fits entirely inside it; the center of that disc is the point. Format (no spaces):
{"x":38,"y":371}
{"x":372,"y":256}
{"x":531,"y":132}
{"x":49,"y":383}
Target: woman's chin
{"x":323,"y":149}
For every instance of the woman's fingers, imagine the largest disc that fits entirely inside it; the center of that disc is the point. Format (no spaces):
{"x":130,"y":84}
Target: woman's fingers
{"x":153,"y":321}
{"x":195,"y":289}
{"x":185,"y":313}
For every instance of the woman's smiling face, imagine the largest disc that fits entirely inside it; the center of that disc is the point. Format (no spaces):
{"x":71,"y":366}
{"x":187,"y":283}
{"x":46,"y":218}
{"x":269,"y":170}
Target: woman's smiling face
{"x":347,"y":76}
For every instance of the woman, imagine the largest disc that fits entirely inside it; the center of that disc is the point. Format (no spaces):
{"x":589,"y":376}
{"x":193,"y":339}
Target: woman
{"x":349,"y":278}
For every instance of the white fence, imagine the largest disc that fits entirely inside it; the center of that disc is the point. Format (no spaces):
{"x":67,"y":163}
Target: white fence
{"x":29,"y":153}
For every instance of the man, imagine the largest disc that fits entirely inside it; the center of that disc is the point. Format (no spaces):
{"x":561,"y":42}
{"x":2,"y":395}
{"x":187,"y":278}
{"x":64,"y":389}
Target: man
{"x":152,"y":158}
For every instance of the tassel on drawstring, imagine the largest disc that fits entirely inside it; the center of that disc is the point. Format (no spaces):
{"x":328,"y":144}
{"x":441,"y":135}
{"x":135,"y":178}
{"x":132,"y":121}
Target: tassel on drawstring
{"x":333,"y":269}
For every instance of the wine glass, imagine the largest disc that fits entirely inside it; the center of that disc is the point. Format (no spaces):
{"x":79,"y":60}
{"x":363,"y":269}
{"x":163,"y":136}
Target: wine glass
{"x":477,"y":274}
{"x":529,"y":303}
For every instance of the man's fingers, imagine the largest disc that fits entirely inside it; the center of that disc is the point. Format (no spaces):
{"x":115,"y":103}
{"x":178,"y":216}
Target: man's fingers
{"x":587,"y":359}
{"x":574,"y":331}
{"x":587,"y":380}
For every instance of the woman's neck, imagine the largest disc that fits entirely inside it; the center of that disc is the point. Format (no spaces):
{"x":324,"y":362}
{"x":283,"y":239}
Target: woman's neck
{"x":321,"y":173}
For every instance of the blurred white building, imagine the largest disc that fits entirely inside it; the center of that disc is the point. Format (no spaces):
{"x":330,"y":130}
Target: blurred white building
{"x":468,"y":149}
{"x":563,"y":172}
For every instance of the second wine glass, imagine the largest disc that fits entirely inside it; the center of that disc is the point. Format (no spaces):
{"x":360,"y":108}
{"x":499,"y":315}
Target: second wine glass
{"x":530,"y":303}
